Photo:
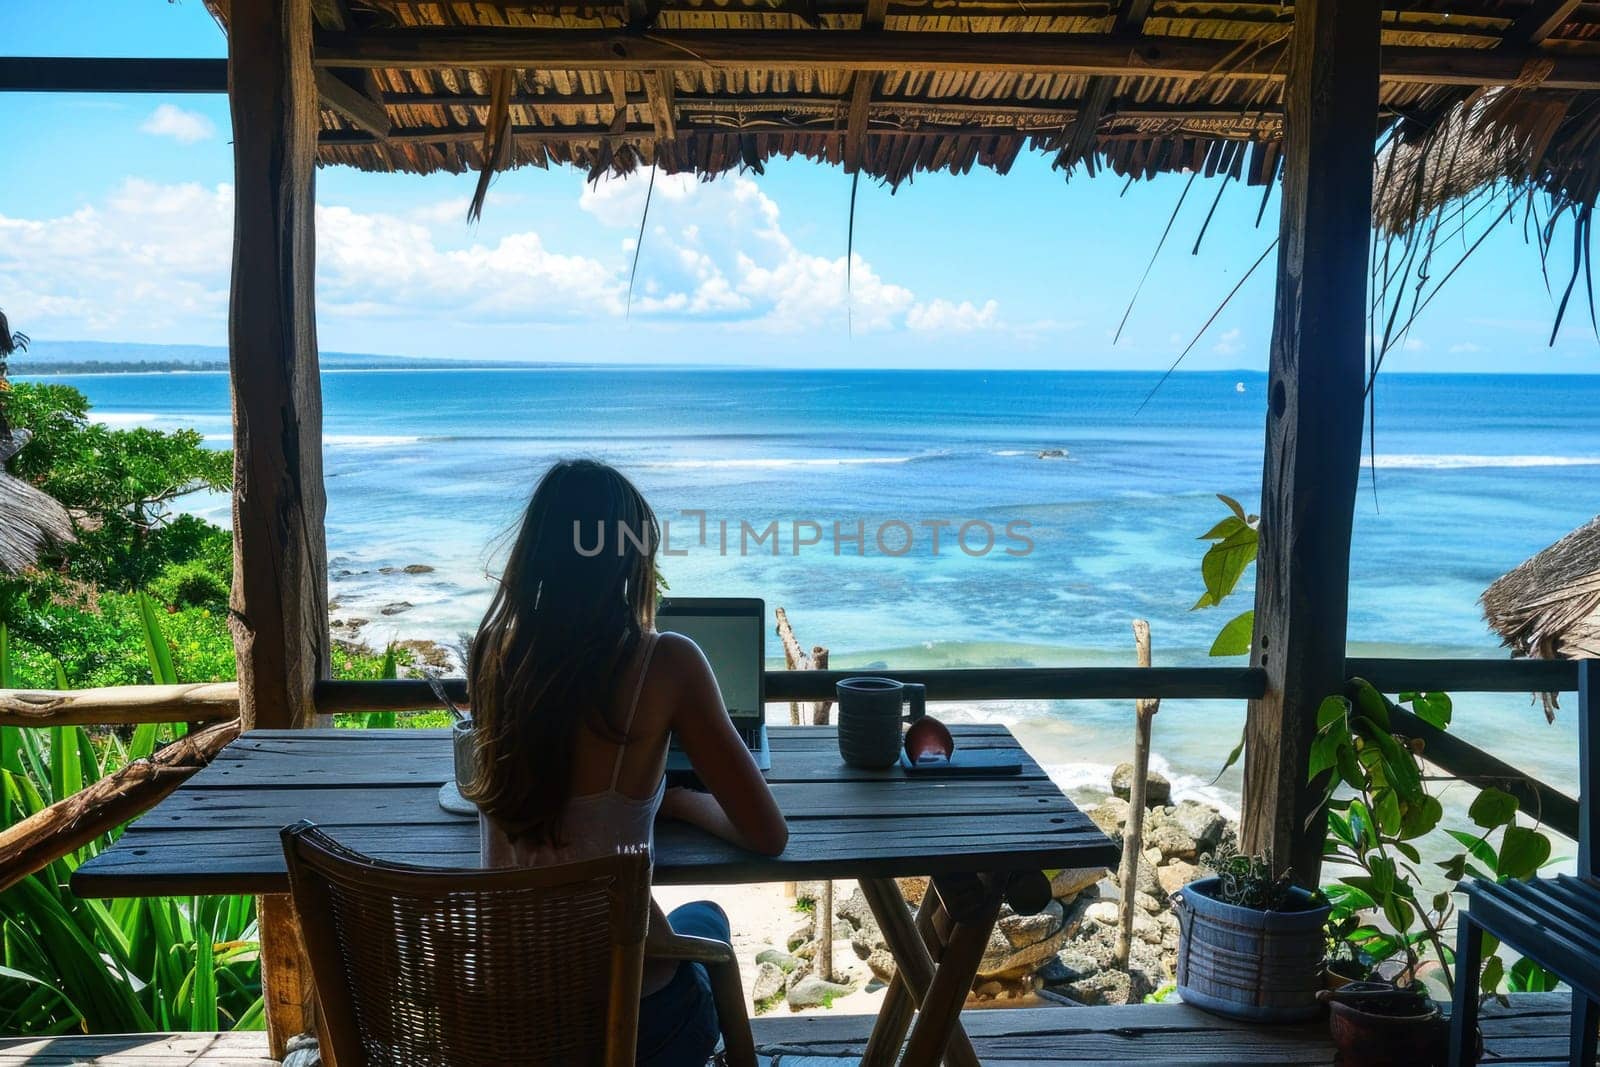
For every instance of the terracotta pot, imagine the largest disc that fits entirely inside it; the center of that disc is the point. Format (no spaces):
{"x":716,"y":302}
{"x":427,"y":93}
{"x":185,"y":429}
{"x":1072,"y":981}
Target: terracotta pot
{"x":1333,"y":980}
{"x":1367,"y":1039}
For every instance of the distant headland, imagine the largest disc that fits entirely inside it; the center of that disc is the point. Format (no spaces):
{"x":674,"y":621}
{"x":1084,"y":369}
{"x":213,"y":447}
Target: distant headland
{"x":62,"y":358}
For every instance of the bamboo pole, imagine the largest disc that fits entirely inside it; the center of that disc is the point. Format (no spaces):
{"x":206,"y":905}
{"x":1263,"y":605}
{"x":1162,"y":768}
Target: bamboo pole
{"x":120,"y":705}
{"x":1132,"y":836}
{"x":71,"y":822}
{"x":793,"y":658}
{"x":797,"y":660}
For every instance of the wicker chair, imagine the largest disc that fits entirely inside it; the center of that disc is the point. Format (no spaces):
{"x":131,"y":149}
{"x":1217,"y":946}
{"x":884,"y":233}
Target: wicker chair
{"x":428,"y":967}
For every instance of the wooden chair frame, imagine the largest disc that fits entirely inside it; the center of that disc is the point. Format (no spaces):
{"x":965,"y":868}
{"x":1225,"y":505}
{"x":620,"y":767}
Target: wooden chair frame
{"x":1555,"y":921}
{"x":311,"y":855}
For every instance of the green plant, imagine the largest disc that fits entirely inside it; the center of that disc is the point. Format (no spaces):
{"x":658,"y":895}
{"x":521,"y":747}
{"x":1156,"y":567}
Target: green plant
{"x":190,"y":585}
{"x":1248,"y":881}
{"x":385,"y":720}
{"x":1379,"y":808}
{"x":1234,"y":542}
{"x":73,"y":965}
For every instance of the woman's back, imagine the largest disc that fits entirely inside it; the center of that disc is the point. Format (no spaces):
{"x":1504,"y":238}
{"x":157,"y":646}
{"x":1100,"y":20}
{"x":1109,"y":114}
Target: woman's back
{"x":617,"y":788}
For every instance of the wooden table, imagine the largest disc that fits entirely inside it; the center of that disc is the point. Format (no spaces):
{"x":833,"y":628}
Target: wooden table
{"x":376,"y":791}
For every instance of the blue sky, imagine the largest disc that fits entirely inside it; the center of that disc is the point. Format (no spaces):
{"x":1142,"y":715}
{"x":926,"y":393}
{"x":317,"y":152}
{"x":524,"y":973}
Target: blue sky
{"x":115,"y":225}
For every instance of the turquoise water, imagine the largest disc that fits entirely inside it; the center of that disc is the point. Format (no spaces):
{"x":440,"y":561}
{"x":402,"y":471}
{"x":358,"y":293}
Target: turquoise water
{"x":1474,"y":474}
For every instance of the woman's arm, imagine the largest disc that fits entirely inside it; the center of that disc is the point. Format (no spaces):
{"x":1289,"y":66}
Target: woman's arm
{"x":739,"y":808}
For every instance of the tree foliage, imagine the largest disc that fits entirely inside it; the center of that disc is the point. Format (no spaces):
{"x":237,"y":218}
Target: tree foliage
{"x":120,"y":485}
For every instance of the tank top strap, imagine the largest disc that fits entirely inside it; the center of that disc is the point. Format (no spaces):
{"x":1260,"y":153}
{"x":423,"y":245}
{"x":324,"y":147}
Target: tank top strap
{"x":633,"y":705}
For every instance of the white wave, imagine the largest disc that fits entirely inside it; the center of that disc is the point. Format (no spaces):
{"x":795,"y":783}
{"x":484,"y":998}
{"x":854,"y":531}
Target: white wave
{"x":1037,"y":453}
{"x":774,"y":464}
{"x":345,"y":440}
{"x":1450,"y":461}
{"x":129,"y":418}
{"x":366,"y":440}
{"x":1089,"y":777}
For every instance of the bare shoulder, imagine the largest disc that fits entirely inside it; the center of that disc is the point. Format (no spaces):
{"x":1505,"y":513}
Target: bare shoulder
{"x":676,"y":652}
{"x":681,"y":668}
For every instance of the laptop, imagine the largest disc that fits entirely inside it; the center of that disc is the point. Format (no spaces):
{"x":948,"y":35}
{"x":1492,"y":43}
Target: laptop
{"x":731,"y":631}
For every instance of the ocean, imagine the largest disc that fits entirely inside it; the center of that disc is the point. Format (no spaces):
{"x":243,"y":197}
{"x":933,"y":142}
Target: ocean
{"x":1066,"y":505}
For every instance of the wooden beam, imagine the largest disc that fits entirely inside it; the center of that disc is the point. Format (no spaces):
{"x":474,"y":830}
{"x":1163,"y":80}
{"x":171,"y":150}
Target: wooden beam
{"x":72,"y":822}
{"x":702,"y":116}
{"x":855,"y":130}
{"x":1479,"y":769}
{"x":661,"y":94}
{"x":1314,"y":418}
{"x":1099,"y":92}
{"x":640,"y":15}
{"x":1466,"y":675}
{"x":1539,"y":22}
{"x":53,"y":74}
{"x":279,"y":605}
{"x":331,"y":14}
{"x":121,"y":705}
{"x":979,"y":683}
{"x":1045,"y":53}
{"x":1018,"y":53}
{"x":354,"y":104}
{"x":352,"y":94}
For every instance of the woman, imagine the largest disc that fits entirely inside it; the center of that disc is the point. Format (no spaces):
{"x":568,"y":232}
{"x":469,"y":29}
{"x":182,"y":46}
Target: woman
{"x":574,"y":695}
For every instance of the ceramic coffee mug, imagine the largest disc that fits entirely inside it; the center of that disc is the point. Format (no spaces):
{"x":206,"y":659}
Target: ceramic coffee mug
{"x":870,"y":717}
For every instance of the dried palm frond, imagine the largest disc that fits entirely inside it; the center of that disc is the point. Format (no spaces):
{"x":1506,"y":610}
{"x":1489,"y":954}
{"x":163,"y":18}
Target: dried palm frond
{"x":1548,"y":607}
{"x":30,"y":519}
{"x":644,"y":216}
{"x":497,"y":139}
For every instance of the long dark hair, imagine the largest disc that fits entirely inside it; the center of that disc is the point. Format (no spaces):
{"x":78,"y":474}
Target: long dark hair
{"x":562,"y":627}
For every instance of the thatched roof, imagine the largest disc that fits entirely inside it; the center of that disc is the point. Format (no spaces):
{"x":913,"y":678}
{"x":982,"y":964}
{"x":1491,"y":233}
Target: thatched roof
{"x":30,"y":520}
{"x":898,"y":86}
{"x":1549,"y":606}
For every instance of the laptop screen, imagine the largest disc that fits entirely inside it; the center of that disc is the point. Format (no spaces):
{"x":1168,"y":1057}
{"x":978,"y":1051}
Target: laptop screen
{"x":732,"y":633}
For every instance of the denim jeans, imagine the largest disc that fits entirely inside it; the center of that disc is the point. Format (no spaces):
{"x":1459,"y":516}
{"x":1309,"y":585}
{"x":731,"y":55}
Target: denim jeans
{"x":678,"y":1022}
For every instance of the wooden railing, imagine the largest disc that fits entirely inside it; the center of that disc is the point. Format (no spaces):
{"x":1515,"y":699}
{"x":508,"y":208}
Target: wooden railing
{"x":49,"y":834}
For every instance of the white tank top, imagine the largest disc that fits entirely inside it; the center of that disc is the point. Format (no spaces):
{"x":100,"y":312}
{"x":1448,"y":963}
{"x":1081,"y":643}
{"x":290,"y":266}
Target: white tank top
{"x":595,"y":824}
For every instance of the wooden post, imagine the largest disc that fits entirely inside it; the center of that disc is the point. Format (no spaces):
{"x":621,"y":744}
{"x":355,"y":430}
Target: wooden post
{"x":821,"y":710}
{"x":1144,"y":713}
{"x":823,"y":928}
{"x":1314,"y":419}
{"x":279,"y":606}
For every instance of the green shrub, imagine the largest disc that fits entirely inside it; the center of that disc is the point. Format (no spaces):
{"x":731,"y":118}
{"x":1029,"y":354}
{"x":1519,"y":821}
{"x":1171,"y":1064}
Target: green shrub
{"x":190,"y":585}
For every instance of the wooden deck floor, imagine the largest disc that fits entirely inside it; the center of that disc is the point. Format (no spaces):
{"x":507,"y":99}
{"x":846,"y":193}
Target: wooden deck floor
{"x":1532,"y":1031}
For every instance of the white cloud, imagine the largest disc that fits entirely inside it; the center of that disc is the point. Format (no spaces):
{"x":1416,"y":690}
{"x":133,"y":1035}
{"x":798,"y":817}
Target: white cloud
{"x":151,"y":261}
{"x":186,"y":127}
{"x":1465,"y":346}
{"x":1228,"y":343}
{"x":151,"y":258}
{"x":943,"y":316}
{"x":1414,"y":344}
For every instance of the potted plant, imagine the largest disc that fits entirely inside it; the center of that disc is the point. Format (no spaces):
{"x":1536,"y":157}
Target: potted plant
{"x":1346,"y":960}
{"x":1379,"y":809}
{"x":1250,"y":942}
{"x":1381,"y":1024}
